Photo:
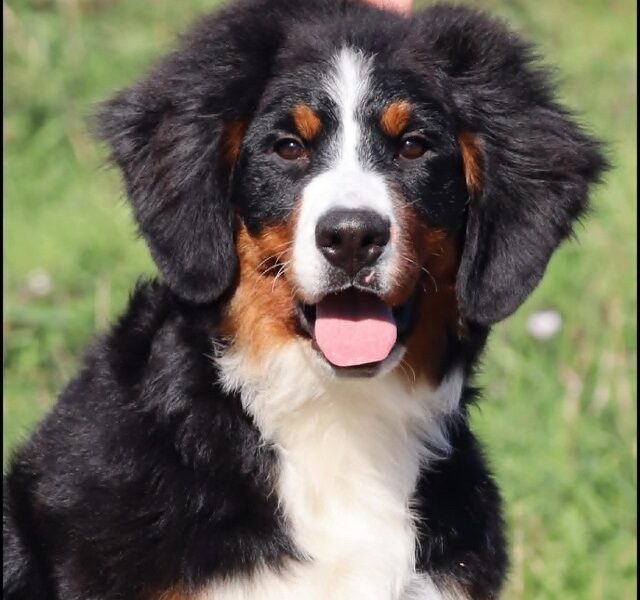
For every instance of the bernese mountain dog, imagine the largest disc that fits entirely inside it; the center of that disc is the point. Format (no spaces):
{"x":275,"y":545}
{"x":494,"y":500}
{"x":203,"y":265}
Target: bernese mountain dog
{"x":341,"y":201}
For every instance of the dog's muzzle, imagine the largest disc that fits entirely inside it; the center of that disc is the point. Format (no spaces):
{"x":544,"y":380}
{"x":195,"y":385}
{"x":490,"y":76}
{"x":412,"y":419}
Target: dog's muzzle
{"x":351,"y":325}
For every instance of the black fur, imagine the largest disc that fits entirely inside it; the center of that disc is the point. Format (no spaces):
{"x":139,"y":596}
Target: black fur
{"x":537,"y":163}
{"x":461,"y":530}
{"x":144,"y":461}
{"x":165,"y":134}
{"x":146,"y":474}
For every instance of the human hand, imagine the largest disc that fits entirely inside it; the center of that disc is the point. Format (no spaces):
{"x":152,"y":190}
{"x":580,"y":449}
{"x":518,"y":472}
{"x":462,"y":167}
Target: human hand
{"x":401,"y":6}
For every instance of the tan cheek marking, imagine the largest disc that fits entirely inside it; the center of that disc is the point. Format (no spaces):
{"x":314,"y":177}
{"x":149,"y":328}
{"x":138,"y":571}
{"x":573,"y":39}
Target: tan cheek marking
{"x":471,"y":161}
{"x":395,"y":117}
{"x":306,"y":121}
{"x":261,"y":312}
{"x":431,"y":269}
{"x":437,"y":313}
{"x":169,"y":594}
{"x":232,"y":136}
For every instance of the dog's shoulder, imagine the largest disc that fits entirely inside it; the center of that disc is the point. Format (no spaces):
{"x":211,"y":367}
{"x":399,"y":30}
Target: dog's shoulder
{"x":143,"y":458}
{"x":460,"y":529}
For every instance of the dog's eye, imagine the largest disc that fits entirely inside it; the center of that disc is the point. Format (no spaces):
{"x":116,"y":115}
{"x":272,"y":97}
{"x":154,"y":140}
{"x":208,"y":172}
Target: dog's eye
{"x":412,"y":146}
{"x":290,"y":149}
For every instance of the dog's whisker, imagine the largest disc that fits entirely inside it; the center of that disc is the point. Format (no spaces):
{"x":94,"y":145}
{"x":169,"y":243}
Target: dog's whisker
{"x":294,"y":293}
{"x":422,"y":268}
{"x":278,"y":275}
{"x":275,"y":257}
{"x":403,"y":363}
{"x":278,"y":265}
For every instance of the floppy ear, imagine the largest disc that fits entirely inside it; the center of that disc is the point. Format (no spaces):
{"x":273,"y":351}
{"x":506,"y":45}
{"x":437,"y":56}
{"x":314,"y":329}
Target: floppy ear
{"x":528,"y":165}
{"x":175,"y":134}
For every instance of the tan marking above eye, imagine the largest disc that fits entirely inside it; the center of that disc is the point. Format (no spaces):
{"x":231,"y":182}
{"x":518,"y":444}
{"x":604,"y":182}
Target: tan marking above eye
{"x":306,"y":121}
{"x":395,"y":117}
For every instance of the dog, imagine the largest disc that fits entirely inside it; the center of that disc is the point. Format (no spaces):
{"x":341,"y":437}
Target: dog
{"x":341,"y":202}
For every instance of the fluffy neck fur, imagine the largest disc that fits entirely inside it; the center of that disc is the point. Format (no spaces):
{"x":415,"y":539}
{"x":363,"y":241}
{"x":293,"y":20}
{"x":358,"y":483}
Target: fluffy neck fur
{"x":350,"y":455}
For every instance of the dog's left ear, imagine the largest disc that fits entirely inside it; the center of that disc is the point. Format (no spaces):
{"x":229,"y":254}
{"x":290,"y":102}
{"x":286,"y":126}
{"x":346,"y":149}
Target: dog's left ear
{"x":528,"y":165}
{"x":175,"y":135}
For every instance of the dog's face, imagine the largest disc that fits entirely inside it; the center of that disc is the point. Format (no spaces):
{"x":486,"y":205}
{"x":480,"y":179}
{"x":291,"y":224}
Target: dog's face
{"x":360,"y":182}
{"x":350,"y":187}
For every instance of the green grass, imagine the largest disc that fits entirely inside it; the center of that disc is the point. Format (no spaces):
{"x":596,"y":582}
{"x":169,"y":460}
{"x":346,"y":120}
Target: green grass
{"x":558,"y":418}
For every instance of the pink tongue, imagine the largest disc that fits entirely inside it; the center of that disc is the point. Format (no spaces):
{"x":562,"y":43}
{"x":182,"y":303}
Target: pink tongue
{"x":353,"y":328}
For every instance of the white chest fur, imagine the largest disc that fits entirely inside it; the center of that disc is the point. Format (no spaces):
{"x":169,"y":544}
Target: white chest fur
{"x":350,"y":455}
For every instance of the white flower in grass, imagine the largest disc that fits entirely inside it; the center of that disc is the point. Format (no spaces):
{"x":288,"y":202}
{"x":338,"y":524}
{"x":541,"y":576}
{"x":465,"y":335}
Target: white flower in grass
{"x":39,"y":283}
{"x":544,"y":324}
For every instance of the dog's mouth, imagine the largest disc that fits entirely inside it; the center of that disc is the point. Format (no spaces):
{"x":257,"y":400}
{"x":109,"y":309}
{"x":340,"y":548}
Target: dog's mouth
{"x":355,"y":331}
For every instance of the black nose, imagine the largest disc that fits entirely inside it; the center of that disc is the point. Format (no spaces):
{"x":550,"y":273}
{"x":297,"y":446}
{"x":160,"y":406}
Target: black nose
{"x":352,"y":239}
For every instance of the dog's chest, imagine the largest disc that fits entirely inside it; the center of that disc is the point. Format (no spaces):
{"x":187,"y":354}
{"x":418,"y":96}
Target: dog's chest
{"x":348,"y":516}
{"x":349,"y":460}
{"x":348,"y":506}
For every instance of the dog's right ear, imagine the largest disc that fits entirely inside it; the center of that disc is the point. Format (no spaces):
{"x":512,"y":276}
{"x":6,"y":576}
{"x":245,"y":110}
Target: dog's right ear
{"x":529,"y":165}
{"x":175,"y":134}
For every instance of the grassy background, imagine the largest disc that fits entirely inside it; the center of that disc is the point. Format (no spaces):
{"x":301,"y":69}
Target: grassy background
{"x":559,"y":417}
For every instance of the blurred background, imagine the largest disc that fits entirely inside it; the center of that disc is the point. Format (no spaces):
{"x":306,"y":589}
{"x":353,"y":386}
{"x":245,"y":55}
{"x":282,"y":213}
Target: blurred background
{"x":558,"y":418}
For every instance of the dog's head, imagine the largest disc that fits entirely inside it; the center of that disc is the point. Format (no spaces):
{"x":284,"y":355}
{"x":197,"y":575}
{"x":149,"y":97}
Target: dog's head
{"x":364,"y":181}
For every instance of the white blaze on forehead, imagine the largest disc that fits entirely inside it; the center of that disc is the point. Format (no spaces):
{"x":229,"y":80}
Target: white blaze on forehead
{"x":348,"y":86}
{"x":348,"y":182}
